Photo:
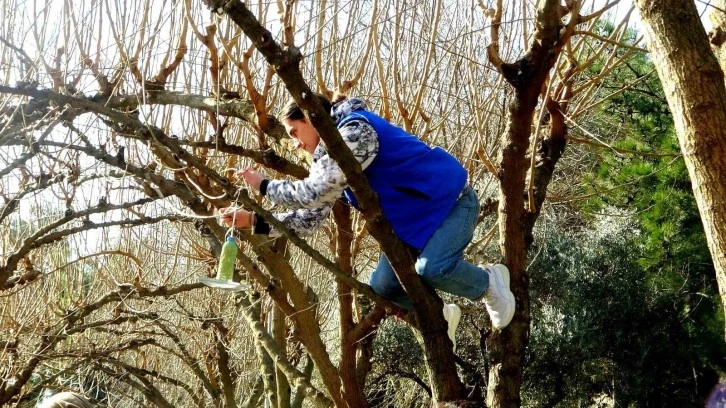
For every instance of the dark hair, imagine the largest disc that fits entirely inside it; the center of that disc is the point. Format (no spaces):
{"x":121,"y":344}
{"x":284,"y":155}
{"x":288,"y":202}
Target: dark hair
{"x":292,"y":111}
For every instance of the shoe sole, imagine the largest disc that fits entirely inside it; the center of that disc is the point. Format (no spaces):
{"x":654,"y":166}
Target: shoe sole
{"x":503,"y":287}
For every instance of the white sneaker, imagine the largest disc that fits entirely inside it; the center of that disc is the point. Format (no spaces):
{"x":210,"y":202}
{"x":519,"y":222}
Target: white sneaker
{"x":452,"y":315}
{"x":499,"y":300}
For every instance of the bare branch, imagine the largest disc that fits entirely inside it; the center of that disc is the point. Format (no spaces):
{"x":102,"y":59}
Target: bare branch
{"x":295,"y":377}
{"x":493,"y":48}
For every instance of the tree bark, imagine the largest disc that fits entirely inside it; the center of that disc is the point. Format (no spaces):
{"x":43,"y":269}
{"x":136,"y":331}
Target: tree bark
{"x":279,"y":334}
{"x":352,"y":392}
{"x":717,"y":35}
{"x":694,"y":86}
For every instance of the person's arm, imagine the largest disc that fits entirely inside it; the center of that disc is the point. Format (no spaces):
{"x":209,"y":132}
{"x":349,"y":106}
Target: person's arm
{"x":326,"y":181}
{"x":303,"y":221}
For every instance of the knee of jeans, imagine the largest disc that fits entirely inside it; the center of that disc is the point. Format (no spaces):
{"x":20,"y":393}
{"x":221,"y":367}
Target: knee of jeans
{"x":388,"y":288}
{"x":431,"y":270}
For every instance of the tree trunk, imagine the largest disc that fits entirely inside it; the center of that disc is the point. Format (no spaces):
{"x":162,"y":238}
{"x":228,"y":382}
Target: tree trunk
{"x":717,"y":35}
{"x":352,"y":392}
{"x":527,"y":76}
{"x":694,"y":85}
{"x":506,"y":348}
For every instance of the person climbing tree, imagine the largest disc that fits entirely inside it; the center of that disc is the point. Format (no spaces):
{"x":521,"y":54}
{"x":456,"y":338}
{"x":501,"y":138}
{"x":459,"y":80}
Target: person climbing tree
{"x":423,"y":192}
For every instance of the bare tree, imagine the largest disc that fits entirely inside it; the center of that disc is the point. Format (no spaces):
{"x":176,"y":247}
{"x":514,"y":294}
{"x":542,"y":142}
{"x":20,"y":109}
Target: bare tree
{"x":531,"y":78}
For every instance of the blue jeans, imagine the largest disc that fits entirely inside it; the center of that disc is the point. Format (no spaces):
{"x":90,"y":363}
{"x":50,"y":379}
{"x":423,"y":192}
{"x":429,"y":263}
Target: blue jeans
{"x":441,"y":263}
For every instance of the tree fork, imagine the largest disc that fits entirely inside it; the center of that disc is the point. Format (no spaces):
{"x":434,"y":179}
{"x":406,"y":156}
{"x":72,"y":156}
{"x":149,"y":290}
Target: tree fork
{"x":527,"y":76}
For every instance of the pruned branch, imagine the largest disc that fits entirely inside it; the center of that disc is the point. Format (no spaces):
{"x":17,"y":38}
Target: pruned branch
{"x":496,"y":21}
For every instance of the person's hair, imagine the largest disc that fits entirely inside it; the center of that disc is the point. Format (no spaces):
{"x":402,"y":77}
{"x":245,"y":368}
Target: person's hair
{"x":292,"y":111}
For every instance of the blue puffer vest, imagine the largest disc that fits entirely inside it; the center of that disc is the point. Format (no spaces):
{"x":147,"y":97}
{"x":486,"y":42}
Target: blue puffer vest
{"x":417,"y":185}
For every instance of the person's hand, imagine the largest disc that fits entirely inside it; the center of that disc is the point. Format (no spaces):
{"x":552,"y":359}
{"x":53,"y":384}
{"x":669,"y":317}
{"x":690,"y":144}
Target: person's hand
{"x":252,"y":177}
{"x":241,"y":218}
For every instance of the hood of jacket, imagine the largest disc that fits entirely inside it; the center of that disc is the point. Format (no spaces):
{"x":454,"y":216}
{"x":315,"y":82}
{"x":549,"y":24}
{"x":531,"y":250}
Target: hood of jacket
{"x":344,"y":108}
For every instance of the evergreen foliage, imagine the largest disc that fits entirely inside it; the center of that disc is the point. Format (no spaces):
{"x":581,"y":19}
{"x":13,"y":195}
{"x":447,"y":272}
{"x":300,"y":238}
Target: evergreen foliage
{"x":626,"y":310}
{"x":601,"y":330}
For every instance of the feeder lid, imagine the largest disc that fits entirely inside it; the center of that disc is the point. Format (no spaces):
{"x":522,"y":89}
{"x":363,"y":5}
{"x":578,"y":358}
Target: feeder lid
{"x":224,"y":284}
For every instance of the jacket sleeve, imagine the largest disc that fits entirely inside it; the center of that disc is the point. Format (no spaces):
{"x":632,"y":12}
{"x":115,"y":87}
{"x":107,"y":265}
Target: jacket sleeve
{"x":326,"y":181}
{"x":303,"y":221}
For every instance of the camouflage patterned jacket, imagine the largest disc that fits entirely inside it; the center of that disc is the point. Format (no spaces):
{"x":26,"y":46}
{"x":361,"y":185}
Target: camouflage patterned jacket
{"x":311,"y":199}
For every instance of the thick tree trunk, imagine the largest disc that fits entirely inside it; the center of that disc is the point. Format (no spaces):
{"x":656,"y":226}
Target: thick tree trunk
{"x":694,"y":85}
{"x":717,"y":35}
